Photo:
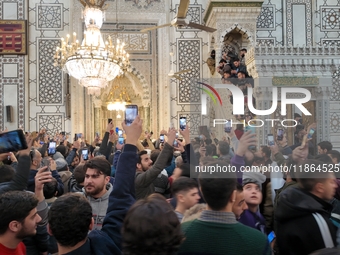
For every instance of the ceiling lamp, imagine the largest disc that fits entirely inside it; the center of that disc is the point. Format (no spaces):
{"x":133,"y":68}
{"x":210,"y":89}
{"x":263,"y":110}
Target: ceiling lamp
{"x":118,"y":98}
{"x":94,"y":63}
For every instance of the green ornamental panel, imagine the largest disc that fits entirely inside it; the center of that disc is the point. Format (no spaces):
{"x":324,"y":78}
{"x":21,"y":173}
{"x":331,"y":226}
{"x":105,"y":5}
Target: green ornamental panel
{"x":295,"y":81}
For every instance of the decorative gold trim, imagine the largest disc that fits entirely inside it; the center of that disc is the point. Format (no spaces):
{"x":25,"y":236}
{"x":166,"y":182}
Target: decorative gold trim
{"x":295,"y":81}
{"x":229,"y":4}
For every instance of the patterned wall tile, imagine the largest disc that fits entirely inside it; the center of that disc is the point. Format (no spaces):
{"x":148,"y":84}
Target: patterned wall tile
{"x":266,"y":19}
{"x":49,"y":17}
{"x":19,"y":61}
{"x":270,"y":23}
{"x":193,"y":121}
{"x":289,"y":20}
{"x":194,"y":15}
{"x":335,"y":122}
{"x":48,"y":22}
{"x":189,"y":58}
{"x":143,"y":3}
{"x":330,"y":18}
{"x":336,"y":86}
{"x":51,"y":122}
{"x":330,"y":42}
{"x":265,"y":42}
{"x":49,"y":77}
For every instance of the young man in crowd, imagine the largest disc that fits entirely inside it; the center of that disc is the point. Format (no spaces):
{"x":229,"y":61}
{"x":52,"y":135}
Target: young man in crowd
{"x":324,"y":147}
{"x":70,"y":216}
{"x":19,"y":219}
{"x":302,"y":213}
{"x":252,"y":189}
{"x":97,"y":188}
{"x":240,"y":204}
{"x":219,"y":221}
{"x":186,"y":192}
{"x":147,"y":172}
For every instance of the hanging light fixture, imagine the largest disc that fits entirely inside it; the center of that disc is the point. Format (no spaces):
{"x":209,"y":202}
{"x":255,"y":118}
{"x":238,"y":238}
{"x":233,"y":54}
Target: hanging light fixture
{"x":94,"y":63}
{"x":118,"y":98}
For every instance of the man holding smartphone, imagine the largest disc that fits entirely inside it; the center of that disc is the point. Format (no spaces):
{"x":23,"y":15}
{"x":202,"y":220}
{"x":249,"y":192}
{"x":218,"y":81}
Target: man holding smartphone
{"x":148,"y":171}
{"x":107,"y":240}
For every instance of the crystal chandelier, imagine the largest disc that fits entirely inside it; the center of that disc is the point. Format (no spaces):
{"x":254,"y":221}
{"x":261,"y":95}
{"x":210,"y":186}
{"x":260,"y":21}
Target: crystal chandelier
{"x":94,"y":63}
{"x":115,"y":102}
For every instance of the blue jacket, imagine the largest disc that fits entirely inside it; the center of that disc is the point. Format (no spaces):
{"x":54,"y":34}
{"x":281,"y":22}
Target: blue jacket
{"x":108,"y":240}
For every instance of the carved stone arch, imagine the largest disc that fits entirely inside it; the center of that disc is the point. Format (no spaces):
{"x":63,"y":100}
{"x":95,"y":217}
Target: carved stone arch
{"x":246,"y":30}
{"x":145,"y":90}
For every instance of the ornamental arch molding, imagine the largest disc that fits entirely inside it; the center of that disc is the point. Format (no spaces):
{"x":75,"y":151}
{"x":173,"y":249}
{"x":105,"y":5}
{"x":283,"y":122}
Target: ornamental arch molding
{"x":245,"y":30}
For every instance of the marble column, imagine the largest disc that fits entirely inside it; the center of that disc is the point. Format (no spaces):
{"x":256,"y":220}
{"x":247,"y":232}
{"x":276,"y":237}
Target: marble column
{"x":97,"y":116}
{"x":263,"y":95}
{"x":146,"y":123}
{"x":323,"y":115}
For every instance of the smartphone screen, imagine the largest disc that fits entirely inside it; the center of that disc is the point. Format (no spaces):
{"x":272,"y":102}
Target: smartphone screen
{"x":271,"y":236}
{"x":182,"y":123}
{"x":97,"y":134}
{"x":227,"y":126}
{"x":176,"y":135}
{"x":12,"y":141}
{"x":51,"y":148}
{"x":109,"y":121}
{"x":85,"y":154}
{"x":161,"y":138}
{"x":131,"y":112}
{"x":80,"y":135}
{"x":175,"y":143}
{"x":120,"y":132}
{"x":280,"y":134}
{"x":310,"y":134}
{"x":270,"y":139}
{"x":121,"y":140}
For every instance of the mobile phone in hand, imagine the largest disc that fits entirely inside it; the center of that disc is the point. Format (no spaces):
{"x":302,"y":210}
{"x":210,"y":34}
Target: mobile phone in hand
{"x":227,"y":127}
{"x":270,"y":139}
{"x":85,"y":154}
{"x":161,"y":138}
{"x":131,"y":112}
{"x":182,"y":123}
{"x":280,"y":133}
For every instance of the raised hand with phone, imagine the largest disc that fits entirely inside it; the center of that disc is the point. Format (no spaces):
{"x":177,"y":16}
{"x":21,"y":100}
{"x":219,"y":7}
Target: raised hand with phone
{"x":171,"y":136}
{"x":186,"y":134}
{"x":20,"y":179}
{"x":41,"y":177}
{"x":131,"y":113}
{"x":247,"y":140}
{"x":133,"y":130}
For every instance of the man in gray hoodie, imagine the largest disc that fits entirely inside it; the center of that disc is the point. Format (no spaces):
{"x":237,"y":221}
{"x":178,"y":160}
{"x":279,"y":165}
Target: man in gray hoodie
{"x":97,"y":188}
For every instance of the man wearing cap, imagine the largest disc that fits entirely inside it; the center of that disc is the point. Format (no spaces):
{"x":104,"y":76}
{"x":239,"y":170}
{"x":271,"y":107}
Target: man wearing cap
{"x":252,"y":189}
{"x":63,"y":170}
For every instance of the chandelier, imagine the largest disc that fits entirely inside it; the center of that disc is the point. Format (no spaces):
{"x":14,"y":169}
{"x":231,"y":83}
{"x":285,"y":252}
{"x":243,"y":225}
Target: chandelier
{"x":94,"y":63}
{"x":118,"y":98}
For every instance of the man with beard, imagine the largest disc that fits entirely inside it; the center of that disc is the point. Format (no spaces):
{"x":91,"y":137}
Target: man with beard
{"x":97,"y":188}
{"x":147,"y":172}
{"x":19,"y":219}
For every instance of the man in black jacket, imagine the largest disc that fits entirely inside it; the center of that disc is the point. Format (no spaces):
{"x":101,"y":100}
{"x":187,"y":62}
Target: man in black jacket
{"x":299,"y":210}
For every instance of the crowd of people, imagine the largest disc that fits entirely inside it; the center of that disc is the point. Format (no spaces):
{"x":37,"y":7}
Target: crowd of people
{"x":140,"y":197}
{"x":233,"y":71}
{"x":145,"y":197}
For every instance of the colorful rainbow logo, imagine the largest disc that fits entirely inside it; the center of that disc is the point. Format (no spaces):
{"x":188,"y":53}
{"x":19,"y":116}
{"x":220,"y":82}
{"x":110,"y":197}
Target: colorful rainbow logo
{"x":209,"y":92}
